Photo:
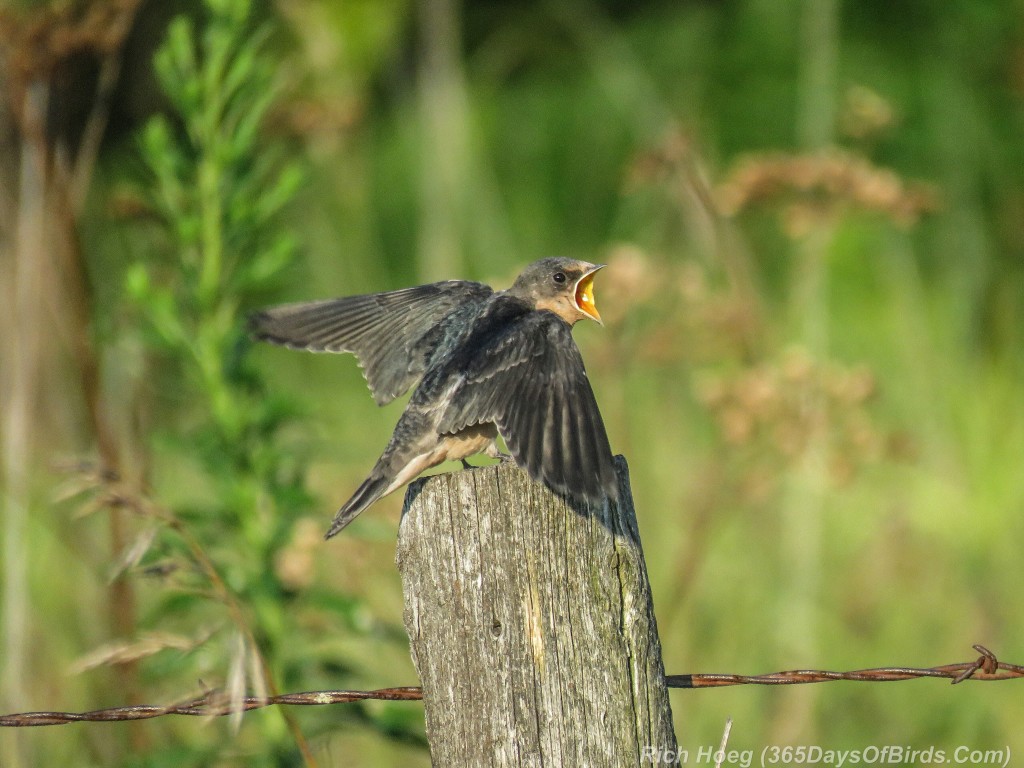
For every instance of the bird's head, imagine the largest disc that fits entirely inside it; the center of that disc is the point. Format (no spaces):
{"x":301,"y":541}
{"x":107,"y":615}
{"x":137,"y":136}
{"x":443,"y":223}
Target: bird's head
{"x":560,"y":285}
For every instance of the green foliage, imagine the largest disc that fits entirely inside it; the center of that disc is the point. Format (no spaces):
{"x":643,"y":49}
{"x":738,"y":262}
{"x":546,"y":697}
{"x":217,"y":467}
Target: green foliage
{"x":239,"y":576}
{"x":218,"y":195}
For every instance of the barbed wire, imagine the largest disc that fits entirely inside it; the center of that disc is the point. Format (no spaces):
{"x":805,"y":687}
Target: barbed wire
{"x":985,"y":667}
{"x":210,"y":704}
{"x":214,"y":703}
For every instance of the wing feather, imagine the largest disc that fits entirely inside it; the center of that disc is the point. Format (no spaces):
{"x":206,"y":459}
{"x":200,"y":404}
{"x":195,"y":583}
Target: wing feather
{"x":571,"y":437}
{"x":530,"y":380}
{"x":385,"y":331}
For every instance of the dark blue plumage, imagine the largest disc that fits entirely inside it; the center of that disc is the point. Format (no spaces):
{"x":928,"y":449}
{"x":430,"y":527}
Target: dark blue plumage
{"x":486,"y":362}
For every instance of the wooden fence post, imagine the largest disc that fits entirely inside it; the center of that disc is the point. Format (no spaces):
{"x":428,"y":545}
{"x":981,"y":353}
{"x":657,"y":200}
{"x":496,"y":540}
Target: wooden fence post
{"x":531,"y":624}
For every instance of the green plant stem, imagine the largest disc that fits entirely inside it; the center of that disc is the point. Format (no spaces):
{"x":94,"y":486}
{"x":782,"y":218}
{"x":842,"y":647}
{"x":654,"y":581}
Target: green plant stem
{"x":212,"y":237}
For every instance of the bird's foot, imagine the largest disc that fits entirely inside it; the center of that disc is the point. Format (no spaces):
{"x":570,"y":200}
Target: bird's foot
{"x":493,"y":452}
{"x":466,"y":464}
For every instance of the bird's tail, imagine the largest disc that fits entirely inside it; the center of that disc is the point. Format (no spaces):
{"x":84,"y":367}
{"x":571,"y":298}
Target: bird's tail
{"x":372,"y":489}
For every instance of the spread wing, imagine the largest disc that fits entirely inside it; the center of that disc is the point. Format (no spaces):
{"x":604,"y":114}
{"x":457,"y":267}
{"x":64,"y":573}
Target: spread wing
{"x":383,"y":330}
{"x":530,"y":380}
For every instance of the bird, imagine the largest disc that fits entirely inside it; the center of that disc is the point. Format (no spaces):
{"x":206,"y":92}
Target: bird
{"x":483,"y":362}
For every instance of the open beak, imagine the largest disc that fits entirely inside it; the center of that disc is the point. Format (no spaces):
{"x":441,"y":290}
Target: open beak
{"x":585,"y":295}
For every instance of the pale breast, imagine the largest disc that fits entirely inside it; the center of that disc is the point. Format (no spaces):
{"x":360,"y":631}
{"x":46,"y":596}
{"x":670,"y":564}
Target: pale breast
{"x":469,"y":441}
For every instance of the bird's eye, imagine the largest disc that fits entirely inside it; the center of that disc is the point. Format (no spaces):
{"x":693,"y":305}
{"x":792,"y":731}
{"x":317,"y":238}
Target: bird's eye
{"x":559,"y":277}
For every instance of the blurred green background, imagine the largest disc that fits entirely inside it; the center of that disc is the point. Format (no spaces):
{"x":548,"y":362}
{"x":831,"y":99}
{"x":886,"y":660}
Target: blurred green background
{"x":813,"y":217}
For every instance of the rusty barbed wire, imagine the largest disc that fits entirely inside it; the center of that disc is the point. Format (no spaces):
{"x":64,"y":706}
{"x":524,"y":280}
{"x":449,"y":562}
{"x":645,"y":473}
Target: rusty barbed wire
{"x":985,"y":667}
{"x":210,"y":704}
{"x":214,"y":704}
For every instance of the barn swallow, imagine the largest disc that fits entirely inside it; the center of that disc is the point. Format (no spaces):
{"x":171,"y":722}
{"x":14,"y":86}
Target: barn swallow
{"x":487,"y":363}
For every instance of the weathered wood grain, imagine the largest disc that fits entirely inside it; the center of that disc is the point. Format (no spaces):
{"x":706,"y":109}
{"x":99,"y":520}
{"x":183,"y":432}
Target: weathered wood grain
{"x":531,"y":624}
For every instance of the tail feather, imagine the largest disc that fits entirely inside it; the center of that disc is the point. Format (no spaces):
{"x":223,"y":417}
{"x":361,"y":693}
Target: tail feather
{"x":367,"y":493}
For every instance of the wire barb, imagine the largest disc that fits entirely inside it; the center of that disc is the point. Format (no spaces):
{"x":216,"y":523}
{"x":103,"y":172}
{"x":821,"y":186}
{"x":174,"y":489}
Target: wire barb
{"x":214,"y":704}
